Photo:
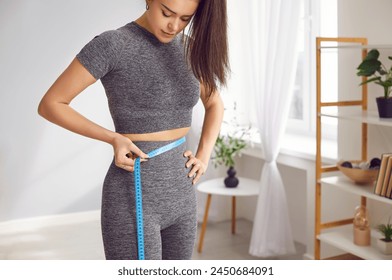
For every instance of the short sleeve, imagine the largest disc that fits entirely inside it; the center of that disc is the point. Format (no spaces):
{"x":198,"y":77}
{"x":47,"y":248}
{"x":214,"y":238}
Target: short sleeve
{"x":99,"y":56}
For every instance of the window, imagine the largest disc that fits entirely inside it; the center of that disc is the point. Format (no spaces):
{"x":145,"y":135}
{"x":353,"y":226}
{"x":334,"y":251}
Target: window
{"x":318,"y":18}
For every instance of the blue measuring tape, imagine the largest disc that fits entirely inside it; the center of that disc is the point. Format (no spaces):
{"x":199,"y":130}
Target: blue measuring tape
{"x":138,"y":193}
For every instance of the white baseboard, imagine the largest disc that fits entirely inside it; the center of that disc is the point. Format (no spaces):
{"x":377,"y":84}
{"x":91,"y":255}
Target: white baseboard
{"x":45,"y":221}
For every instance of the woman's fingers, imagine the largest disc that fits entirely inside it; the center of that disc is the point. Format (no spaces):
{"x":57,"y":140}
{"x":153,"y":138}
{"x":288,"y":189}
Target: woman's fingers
{"x":127,"y":168}
{"x":198,"y":175}
{"x":187,"y":153}
{"x":124,"y":162}
{"x":138,"y":152}
{"x":191,"y":162}
{"x":198,"y":167}
{"x":126,"y":152}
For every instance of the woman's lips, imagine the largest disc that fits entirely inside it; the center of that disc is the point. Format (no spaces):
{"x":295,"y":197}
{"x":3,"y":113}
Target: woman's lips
{"x":168,"y":34}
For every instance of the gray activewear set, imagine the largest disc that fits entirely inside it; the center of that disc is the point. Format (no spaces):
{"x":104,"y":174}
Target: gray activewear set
{"x":150,"y":88}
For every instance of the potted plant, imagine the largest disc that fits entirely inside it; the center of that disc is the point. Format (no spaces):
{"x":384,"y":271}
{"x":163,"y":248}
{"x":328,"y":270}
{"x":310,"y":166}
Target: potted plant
{"x":232,"y":140}
{"x":372,"y":67}
{"x":385,"y":243}
{"x":226,"y":148}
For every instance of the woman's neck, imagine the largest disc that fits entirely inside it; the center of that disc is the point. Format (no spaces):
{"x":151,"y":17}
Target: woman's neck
{"x":143,"y":22}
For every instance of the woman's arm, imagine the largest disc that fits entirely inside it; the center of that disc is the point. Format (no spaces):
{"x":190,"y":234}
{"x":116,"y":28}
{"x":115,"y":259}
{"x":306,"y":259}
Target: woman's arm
{"x":54,"y":107}
{"x":211,"y":126}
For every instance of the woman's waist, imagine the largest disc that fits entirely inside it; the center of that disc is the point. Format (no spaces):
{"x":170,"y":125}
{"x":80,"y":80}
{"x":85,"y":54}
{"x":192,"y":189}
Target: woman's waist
{"x":165,"y":135}
{"x":147,"y":124}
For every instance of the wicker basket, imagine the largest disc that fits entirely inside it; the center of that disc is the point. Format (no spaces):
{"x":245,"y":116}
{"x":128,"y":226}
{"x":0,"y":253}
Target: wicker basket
{"x":359,"y":176}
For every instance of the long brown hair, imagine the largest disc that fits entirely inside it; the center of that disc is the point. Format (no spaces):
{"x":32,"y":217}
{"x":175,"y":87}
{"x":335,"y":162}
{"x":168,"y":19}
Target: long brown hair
{"x":207,"y":47}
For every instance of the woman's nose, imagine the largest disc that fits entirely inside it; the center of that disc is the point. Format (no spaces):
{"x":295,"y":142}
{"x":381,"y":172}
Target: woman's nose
{"x":174,"y":25}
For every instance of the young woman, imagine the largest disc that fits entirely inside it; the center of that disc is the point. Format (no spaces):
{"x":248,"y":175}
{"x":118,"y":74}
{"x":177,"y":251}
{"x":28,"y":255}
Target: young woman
{"x":153,"y":76}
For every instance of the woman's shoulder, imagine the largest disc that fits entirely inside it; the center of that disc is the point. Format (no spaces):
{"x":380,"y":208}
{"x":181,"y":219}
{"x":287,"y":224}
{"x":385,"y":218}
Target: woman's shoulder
{"x":110,"y":40}
{"x":113,"y":36}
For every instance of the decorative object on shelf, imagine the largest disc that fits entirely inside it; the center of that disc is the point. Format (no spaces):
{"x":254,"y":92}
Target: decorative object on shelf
{"x":361,"y":172}
{"x":232,"y":140}
{"x":385,"y":244}
{"x":372,"y":67}
{"x":361,"y":227}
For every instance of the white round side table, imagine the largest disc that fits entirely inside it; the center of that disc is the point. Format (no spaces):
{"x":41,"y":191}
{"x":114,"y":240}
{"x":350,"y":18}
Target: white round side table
{"x":246,"y":187}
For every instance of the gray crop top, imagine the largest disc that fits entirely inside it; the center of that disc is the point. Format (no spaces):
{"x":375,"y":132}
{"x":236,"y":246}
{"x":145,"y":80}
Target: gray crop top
{"x":148,"y":84}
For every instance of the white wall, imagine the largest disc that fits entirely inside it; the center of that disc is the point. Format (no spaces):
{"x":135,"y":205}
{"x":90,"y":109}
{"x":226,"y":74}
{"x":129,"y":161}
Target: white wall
{"x":45,"y":169}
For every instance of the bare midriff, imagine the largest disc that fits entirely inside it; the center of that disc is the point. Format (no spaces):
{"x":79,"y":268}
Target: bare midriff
{"x":165,"y":135}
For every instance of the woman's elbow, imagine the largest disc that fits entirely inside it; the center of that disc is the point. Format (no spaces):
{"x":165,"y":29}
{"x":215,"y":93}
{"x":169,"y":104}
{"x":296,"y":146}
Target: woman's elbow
{"x":43,"y":108}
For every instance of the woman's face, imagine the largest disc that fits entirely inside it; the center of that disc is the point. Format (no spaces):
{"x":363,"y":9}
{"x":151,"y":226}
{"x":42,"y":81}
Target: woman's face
{"x":167,"y":18}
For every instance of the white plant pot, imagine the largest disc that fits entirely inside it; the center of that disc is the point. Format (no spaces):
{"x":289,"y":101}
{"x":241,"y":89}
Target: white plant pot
{"x":384,"y":247}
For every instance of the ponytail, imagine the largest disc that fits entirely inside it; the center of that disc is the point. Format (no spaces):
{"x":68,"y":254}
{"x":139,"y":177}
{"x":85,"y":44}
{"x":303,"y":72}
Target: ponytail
{"x":207,"y":47}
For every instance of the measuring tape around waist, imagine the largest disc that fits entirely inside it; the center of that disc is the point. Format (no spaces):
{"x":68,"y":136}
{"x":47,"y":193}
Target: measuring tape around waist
{"x":138,"y":193}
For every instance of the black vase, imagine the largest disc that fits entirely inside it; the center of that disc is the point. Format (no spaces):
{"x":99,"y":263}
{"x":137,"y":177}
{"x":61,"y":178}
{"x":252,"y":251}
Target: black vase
{"x":231,"y":181}
{"x":384,"y":106}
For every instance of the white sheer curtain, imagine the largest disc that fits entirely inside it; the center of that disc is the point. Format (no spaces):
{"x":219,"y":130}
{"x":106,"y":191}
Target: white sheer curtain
{"x":262,"y":41}
{"x":274,"y":28}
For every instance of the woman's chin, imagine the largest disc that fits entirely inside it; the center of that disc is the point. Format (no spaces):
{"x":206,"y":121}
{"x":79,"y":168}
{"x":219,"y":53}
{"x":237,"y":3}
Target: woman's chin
{"x":164,"y":37}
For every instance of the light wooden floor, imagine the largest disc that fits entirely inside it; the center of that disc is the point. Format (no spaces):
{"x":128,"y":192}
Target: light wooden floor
{"x":220,"y":244}
{"x":82,"y":241}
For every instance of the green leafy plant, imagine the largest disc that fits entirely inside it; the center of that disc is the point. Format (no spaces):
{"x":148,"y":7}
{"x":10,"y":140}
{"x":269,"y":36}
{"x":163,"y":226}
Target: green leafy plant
{"x":386,"y":230}
{"x":232,"y":140}
{"x":372,"y":67}
{"x":226,"y":147}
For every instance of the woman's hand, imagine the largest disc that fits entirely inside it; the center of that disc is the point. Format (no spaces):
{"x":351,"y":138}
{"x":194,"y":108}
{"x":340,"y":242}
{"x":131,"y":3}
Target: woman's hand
{"x":199,"y":167}
{"x":125,"y":152}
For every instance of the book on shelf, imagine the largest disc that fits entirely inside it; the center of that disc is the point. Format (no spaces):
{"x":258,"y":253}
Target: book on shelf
{"x":378,"y":187}
{"x":387,"y":176}
{"x":389,"y":188}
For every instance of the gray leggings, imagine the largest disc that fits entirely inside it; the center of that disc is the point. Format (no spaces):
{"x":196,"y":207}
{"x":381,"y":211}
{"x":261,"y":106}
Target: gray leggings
{"x":169,"y":208}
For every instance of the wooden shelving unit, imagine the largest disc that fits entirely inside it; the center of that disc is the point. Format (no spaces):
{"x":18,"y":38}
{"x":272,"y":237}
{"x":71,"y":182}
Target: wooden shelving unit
{"x":343,"y":183}
{"x":339,"y":233}
{"x":342,"y":238}
{"x":367,"y":117}
{"x":334,"y":238}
